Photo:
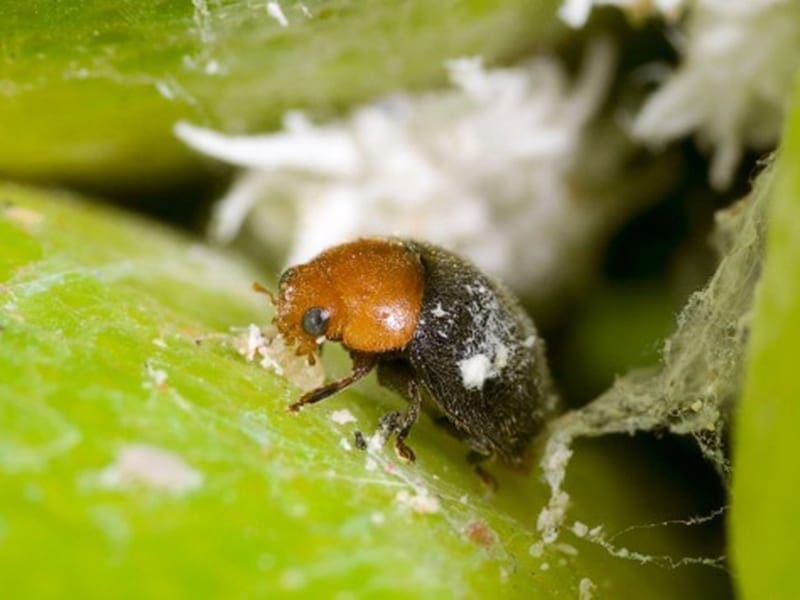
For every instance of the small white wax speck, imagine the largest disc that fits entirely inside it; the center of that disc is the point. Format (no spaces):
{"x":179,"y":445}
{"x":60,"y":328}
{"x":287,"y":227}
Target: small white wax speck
{"x":268,"y":361}
{"x":500,"y":357}
{"x":580,"y":529}
{"x":157,"y":376}
{"x":567,"y":549}
{"x":342,"y":417}
{"x":153,"y":467}
{"x":438,"y":311}
{"x":345,"y":444}
{"x":530,"y":341}
{"x":585,"y":589}
{"x":276,"y":12}
{"x":249,"y":345}
{"x":536,"y":550}
{"x":165,"y":90}
{"x":544,"y":566}
{"x":376,"y":442}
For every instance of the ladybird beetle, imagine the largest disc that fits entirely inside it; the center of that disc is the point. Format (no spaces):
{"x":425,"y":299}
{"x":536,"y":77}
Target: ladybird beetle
{"x":435,"y":327}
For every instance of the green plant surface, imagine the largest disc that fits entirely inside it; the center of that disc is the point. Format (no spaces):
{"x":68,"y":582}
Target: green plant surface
{"x":765,"y":520}
{"x":89,"y":91}
{"x":112,"y":337}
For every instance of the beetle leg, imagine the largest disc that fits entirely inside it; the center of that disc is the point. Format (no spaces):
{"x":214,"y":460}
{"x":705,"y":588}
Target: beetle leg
{"x":407,"y":422}
{"x":362,"y":364}
{"x":400,"y":424}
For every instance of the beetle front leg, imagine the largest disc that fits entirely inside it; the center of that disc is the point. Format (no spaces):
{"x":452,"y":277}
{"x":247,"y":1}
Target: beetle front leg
{"x":362,"y":365}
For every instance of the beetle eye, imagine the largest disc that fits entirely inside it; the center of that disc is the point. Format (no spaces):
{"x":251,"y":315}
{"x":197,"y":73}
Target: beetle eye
{"x":315,"y":321}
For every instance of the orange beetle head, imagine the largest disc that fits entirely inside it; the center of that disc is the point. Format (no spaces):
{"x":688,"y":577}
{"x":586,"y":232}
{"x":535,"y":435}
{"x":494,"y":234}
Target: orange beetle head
{"x":308,"y":308}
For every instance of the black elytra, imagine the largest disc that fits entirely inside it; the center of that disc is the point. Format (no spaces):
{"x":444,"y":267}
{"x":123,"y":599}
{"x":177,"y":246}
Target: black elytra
{"x":477,"y":353}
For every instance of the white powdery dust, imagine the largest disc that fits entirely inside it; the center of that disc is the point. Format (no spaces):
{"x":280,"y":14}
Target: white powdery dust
{"x":270,"y":349}
{"x":249,"y":344}
{"x":481,"y":169}
{"x":376,"y":442}
{"x":580,"y":529}
{"x":586,"y":589}
{"x":567,"y":549}
{"x":733,"y":84}
{"x":420,"y":502}
{"x":156,"y":377}
{"x":151,"y":467}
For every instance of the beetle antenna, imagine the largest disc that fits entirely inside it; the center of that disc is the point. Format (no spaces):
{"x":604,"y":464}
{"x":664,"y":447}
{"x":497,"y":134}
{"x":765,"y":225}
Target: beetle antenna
{"x":257,"y":287}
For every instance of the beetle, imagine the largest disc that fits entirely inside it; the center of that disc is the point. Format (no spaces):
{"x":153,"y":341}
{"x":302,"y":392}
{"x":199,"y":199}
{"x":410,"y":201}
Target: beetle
{"x":439,"y":332}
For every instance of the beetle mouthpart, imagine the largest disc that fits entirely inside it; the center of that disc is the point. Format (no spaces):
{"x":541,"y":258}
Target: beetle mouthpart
{"x":302,"y":349}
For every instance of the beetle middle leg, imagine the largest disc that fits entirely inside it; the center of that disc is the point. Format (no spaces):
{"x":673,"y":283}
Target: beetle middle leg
{"x":398,"y":377}
{"x":400,"y":423}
